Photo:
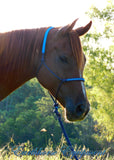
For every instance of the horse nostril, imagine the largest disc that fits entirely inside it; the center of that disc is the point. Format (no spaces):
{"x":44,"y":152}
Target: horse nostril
{"x":80,"y":110}
{"x":77,"y":112}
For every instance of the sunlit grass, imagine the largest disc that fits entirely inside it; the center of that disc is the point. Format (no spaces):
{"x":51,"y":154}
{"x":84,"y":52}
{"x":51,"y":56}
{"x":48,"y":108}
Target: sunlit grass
{"x":25,"y":151}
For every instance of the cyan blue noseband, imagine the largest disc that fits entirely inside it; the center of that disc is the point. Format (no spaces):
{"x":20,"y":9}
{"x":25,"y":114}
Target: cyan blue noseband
{"x":43,"y":63}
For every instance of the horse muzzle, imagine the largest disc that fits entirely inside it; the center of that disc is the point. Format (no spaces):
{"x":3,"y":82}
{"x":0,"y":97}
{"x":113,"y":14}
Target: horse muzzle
{"x":77,"y":112}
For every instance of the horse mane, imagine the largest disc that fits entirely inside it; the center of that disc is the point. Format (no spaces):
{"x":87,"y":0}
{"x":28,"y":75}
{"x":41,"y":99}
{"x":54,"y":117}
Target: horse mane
{"x":18,"y":50}
{"x":77,"y":48}
{"x":17,"y":44}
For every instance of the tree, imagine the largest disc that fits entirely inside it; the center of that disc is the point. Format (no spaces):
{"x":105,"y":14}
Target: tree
{"x":99,"y":72}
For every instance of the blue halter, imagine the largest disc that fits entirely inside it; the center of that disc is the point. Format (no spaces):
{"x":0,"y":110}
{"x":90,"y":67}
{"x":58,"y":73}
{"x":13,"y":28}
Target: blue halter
{"x":43,"y":63}
{"x":60,"y":84}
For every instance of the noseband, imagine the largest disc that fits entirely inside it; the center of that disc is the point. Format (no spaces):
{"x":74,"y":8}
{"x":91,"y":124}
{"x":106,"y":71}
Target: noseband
{"x":43,"y":63}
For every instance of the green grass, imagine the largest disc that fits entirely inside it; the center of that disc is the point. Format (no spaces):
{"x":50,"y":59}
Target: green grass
{"x":55,"y":157}
{"x":58,"y":156}
{"x":25,"y":151}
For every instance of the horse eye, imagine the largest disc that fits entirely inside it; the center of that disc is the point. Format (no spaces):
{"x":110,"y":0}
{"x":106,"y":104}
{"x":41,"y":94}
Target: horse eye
{"x":63,"y":59}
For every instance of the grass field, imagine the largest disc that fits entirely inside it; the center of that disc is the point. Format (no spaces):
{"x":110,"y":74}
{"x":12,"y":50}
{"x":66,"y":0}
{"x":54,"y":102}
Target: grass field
{"x":55,"y":157}
{"x":26,"y":152}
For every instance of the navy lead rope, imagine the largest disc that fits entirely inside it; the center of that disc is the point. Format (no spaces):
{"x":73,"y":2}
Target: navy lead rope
{"x":63,"y":129}
{"x":61,"y":82}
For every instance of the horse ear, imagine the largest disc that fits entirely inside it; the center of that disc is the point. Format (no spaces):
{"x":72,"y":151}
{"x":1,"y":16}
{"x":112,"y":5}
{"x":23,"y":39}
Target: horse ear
{"x":82,"y":30}
{"x":67,"y":29}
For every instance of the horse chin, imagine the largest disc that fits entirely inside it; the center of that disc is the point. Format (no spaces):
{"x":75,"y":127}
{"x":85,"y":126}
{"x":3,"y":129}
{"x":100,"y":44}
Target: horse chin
{"x":70,"y":118}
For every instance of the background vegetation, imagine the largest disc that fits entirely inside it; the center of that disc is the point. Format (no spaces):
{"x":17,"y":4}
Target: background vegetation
{"x":27,"y":114}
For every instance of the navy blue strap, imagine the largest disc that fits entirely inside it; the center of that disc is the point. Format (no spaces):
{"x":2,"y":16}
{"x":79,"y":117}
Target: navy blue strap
{"x":63,"y":129}
{"x":64,"y":132}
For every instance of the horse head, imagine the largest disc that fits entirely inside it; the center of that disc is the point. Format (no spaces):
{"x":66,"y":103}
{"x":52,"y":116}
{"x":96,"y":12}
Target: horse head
{"x":65,"y":59}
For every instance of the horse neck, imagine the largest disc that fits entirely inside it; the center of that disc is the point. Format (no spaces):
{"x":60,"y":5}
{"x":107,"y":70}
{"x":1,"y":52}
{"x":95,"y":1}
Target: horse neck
{"x":19,"y":58}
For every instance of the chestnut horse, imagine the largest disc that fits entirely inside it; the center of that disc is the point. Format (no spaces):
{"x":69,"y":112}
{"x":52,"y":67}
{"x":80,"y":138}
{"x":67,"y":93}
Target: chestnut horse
{"x":20,"y":58}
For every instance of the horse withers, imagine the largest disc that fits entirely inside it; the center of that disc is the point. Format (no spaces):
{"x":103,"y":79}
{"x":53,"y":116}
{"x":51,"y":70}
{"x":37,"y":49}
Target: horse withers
{"x":20,"y":61}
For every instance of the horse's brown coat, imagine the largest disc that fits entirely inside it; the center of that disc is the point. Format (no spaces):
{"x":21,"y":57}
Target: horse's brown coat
{"x":20,"y":55}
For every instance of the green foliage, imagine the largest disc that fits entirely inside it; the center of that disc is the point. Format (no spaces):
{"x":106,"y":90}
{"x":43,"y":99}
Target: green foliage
{"x":99,"y":72}
{"x":105,"y":14}
{"x":33,"y":119}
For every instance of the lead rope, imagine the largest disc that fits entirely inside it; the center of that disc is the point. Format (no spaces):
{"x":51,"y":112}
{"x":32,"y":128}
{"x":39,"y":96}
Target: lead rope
{"x":62,"y":127}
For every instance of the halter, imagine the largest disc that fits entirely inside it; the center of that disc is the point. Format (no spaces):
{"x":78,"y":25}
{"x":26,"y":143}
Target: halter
{"x":60,"y":84}
{"x":43,"y":63}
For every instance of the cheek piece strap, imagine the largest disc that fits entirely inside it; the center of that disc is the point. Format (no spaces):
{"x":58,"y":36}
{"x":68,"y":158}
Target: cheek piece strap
{"x":43,"y":63}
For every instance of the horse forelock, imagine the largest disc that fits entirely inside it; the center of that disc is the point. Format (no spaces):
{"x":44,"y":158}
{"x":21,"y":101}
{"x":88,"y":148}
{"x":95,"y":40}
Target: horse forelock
{"x":76,"y":48}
